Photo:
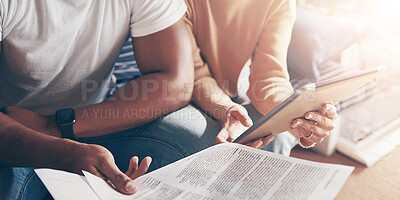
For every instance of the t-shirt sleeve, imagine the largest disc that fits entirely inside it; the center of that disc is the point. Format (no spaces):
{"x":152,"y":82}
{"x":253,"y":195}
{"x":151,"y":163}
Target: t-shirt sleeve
{"x":151,"y":16}
{"x":269,"y":77}
{"x":1,"y":20}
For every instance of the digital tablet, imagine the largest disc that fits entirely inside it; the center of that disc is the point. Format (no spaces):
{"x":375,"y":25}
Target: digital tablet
{"x":310,"y":97}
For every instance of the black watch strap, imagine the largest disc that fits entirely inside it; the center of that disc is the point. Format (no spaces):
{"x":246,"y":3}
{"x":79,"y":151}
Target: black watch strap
{"x":65,"y":120}
{"x":67,"y":131}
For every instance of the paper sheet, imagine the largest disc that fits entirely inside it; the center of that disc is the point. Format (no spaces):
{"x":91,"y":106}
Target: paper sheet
{"x":66,"y":186}
{"x":233,"y":171}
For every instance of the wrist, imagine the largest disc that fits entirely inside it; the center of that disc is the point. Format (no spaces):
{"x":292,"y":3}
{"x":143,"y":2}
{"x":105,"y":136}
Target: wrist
{"x":52,"y":127}
{"x":64,"y":151}
{"x":65,"y":120}
{"x":226,"y":112}
{"x":222,"y":112}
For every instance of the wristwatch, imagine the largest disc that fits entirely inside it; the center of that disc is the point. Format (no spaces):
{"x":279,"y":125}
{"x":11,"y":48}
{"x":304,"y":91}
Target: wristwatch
{"x":65,"y":119}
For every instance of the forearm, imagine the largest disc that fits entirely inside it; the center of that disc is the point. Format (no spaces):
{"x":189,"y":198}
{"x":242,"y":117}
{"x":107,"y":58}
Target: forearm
{"x":139,"y":102}
{"x":266,"y":94}
{"x":269,"y":79}
{"x":24,"y":147}
{"x":211,"y":98}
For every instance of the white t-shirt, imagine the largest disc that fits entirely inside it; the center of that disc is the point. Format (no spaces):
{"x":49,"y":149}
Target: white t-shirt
{"x":60,"y":53}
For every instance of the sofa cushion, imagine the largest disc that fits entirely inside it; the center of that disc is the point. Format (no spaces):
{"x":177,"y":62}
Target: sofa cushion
{"x":318,"y":38}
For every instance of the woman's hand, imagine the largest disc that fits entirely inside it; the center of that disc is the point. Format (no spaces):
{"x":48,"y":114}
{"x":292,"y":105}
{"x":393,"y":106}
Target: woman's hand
{"x":238,"y":121}
{"x":315,"y":127}
{"x":100,"y":162}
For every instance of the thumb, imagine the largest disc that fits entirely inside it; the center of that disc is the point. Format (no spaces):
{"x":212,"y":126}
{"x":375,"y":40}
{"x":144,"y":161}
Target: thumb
{"x":120,"y":180}
{"x":222,"y":136}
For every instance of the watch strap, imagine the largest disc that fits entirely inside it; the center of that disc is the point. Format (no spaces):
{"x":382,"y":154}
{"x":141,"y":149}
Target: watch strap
{"x":67,"y":131}
{"x":65,"y":119}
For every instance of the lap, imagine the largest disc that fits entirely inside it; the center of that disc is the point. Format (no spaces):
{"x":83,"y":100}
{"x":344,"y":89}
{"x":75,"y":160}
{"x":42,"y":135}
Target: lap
{"x":167,"y":139}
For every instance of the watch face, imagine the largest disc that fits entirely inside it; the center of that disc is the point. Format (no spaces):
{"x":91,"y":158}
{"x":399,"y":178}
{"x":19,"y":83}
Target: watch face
{"x":65,"y":116}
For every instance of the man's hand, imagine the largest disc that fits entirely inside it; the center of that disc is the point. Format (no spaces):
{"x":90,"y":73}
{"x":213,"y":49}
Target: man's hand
{"x":100,"y":162}
{"x":236,"y":123}
{"x":76,"y":157}
{"x":40,"y":123}
{"x":316,"y":125}
{"x":135,"y":170}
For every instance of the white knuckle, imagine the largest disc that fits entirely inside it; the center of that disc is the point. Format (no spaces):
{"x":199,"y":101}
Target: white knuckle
{"x":312,"y":128}
{"x":323,"y":121}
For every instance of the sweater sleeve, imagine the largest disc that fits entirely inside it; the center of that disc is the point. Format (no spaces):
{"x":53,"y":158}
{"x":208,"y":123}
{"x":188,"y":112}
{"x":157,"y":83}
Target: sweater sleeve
{"x":269,"y":78}
{"x":206,"y":93}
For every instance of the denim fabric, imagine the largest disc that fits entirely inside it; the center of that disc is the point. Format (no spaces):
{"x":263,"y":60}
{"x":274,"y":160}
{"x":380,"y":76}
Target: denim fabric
{"x":166,"y":140}
{"x":21,"y":183}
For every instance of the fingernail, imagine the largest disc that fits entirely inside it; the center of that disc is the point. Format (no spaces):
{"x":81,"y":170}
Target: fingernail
{"x":309,"y":116}
{"x":259,"y":143}
{"x":296,"y":123}
{"x":249,"y":123}
{"x":327,"y":108}
{"x":130,"y":186}
{"x":150,"y":159}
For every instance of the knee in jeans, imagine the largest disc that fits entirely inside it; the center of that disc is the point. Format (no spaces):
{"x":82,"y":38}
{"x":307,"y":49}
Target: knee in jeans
{"x":21,"y":183}
{"x":282,"y":144}
{"x":189,"y":128}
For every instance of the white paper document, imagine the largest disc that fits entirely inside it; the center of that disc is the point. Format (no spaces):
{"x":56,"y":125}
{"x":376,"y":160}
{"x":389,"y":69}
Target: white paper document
{"x":225,"y":171}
